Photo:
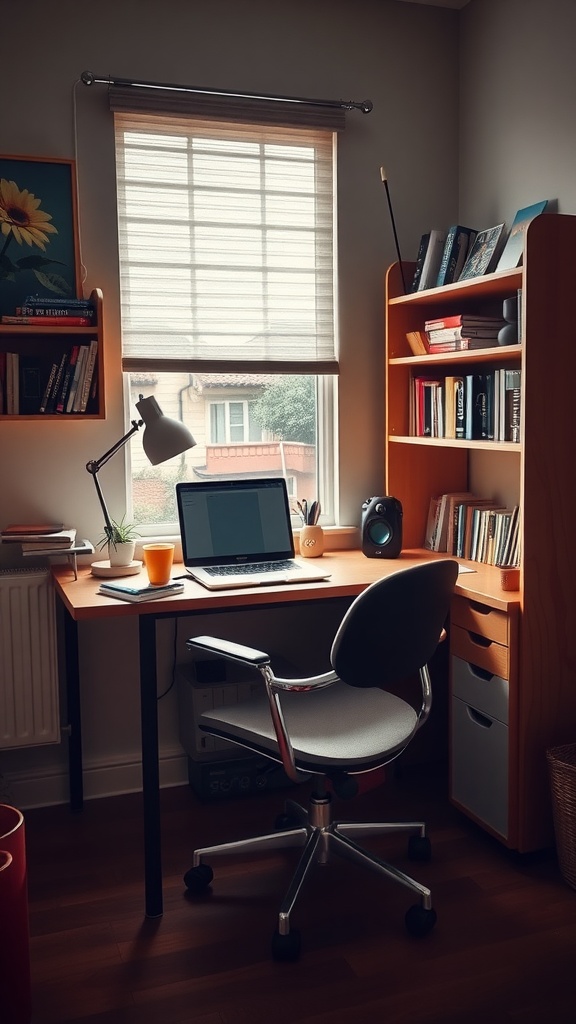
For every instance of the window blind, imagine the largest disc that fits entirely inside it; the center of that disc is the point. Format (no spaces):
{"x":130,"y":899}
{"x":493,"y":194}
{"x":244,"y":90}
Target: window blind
{"x":226,"y":237}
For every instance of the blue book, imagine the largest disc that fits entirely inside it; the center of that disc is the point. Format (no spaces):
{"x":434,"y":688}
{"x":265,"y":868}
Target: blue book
{"x":458,"y":242}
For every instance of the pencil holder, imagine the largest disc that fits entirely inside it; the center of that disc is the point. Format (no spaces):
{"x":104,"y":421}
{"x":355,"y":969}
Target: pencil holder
{"x":311,"y":541}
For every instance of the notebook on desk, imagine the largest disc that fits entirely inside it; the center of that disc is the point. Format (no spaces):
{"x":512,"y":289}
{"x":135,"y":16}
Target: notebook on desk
{"x":237,"y":533}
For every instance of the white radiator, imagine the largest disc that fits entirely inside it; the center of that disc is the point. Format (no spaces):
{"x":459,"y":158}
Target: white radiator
{"x":29,"y":712}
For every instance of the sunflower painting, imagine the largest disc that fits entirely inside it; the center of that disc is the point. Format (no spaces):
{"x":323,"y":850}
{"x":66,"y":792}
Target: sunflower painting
{"x":38,"y":232}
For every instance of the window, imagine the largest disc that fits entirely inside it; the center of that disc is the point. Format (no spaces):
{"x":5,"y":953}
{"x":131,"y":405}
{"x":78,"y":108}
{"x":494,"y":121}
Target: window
{"x":226,"y":234}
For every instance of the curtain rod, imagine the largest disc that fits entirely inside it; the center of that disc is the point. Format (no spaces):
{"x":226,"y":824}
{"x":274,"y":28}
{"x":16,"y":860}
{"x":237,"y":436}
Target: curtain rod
{"x":89,"y":78}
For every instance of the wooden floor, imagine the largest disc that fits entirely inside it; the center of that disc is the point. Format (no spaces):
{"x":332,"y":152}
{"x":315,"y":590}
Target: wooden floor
{"x":504,"y":948}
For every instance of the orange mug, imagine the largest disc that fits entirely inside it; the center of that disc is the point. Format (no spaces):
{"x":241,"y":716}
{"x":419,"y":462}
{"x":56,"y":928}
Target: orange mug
{"x":158,"y":560}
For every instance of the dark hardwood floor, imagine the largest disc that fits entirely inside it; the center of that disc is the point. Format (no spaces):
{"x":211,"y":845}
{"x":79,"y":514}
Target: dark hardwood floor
{"x":504,"y":948}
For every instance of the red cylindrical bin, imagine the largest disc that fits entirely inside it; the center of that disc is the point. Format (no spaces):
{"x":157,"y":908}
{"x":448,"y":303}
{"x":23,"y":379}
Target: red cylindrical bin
{"x":15,"y":999}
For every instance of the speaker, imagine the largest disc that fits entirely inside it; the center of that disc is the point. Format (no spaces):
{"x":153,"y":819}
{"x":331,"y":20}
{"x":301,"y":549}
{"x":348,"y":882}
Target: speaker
{"x":382,"y":527}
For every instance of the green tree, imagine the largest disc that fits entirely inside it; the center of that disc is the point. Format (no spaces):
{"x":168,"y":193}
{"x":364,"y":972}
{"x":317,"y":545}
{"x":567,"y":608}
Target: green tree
{"x":288,"y":409}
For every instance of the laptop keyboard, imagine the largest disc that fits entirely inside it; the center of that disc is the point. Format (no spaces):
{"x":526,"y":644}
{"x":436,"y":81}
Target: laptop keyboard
{"x":247,"y":570}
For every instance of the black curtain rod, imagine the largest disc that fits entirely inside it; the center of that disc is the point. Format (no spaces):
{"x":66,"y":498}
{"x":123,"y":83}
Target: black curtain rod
{"x":91,"y":79}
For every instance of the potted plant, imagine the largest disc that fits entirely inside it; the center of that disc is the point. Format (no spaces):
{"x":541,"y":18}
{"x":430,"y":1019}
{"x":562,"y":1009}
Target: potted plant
{"x":120,"y":541}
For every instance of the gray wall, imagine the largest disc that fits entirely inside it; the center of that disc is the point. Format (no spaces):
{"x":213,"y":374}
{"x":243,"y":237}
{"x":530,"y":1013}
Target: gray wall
{"x":473,"y":117}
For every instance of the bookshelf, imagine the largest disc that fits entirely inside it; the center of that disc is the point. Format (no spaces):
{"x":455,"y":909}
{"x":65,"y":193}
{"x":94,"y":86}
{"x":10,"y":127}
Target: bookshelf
{"x":512,"y":654}
{"x":50,"y":343}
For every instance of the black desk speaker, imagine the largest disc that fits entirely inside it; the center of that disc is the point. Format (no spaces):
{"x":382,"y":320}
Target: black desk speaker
{"x":382,"y":527}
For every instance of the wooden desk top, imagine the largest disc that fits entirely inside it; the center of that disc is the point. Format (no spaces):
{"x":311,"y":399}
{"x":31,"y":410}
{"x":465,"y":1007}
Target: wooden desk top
{"x":350,"y":572}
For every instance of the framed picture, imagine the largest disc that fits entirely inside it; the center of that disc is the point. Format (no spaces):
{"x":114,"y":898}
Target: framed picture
{"x":39,"y":248}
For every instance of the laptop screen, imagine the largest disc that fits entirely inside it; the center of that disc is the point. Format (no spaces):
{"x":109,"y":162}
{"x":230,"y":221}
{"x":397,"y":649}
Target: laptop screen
{"x":227,"y":522}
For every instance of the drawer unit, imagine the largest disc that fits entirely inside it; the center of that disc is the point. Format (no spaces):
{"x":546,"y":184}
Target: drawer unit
{"x":479,"y":765}
{"x":479,"y":744}
{"x":480,"y":650}
{"x":481,"y":618}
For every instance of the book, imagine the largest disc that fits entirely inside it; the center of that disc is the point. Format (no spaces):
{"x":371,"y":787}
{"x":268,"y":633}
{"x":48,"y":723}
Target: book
{"x":26,"y":529}
{"x":137,"y":594}
{"x":443,"y":517}
{"x":418,"y":342}
{"x":464,"y":320}
{"x":483,"y":254}
{"x":55,"y":321}
{"x":56,"y":303}
{"x":49,"y":387}
{"x":62,"y":398}
{"x":420,"y":261}
{"x":47,"y":313}
{"x":512,"y":403}
{"x":432,"y":259}
{"x":455,"y":333}
{"x":78,"y":372}
{"x":56,"y":539}
{"x":460,"y":344}
{"x":458,"y":241}
{"x":54,"y":390}
{"x":513,"y":250}
{"x":86,"y":383}
{"x":432,"y":522}
{"x":34,"y":371}
{"x":475,"y":405}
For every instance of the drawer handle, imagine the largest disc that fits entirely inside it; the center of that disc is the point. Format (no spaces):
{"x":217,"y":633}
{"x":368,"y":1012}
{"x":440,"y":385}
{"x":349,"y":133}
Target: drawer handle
{"x":479,"y":640}
{"x":482,"y":609}
{"x":480,"y":673}
{"x":478,"y":719}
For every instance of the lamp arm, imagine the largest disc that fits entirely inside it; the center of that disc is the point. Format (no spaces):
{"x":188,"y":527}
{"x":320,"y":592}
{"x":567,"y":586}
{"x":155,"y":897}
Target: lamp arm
{"x":95,"y":465}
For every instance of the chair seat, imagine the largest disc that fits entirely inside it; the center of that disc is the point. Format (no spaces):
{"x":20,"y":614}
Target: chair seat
{"x":338,"y":727}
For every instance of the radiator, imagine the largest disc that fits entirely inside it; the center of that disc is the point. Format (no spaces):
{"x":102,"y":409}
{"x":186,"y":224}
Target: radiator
{"x":29,"y":711}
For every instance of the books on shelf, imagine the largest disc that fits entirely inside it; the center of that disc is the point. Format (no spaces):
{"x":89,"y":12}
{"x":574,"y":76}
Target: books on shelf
{"x":25,"y":529}
{"x":513,"y":250}
{"x":467,"y":526}
{"x":124,"y":592}
{"x":456,"y":247}
{"x":472,"y":406}
{"x":466,"y":322}
{"x":483,"y":254}
{"x":420,"y":261}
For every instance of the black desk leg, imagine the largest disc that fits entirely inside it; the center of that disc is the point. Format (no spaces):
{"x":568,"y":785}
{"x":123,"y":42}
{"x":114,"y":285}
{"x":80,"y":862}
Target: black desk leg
{"x":74,"y":713}
{"x":150,"y":767}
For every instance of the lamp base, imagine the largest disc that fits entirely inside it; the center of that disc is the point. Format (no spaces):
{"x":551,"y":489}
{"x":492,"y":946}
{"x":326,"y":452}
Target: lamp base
{"x":115,"y":571}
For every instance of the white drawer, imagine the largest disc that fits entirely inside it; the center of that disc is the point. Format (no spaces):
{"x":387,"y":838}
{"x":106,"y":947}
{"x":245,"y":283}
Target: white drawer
{"x":481,"y":689}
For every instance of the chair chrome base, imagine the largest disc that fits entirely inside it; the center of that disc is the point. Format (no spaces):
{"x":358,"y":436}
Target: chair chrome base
{"x":319,"y":835}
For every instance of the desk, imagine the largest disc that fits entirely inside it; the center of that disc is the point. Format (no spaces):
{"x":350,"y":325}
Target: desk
{"x":350,"y":572}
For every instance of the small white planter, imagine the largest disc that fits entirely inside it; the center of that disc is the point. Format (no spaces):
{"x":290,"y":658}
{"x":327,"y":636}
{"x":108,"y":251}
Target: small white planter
{"x":122,"y":554}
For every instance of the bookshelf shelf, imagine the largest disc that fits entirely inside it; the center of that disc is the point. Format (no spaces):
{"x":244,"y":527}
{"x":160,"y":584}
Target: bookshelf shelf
{"x":49,"y":342}
{"x":518,"y":643}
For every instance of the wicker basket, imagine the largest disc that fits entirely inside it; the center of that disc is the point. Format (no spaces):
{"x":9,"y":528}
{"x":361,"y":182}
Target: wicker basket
{"x":562,"y":771}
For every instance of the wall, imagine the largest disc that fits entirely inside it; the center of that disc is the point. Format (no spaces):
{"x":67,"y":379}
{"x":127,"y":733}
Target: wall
{"x":392,"y":53}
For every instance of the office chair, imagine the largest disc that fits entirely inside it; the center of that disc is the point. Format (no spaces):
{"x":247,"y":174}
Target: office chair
{"x":337,"y":725}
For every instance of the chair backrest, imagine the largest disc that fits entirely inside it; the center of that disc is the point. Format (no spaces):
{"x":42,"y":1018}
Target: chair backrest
{"x":393,"y":627}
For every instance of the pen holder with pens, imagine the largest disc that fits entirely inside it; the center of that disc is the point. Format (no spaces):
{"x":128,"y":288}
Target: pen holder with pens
{"x":311,"y":534}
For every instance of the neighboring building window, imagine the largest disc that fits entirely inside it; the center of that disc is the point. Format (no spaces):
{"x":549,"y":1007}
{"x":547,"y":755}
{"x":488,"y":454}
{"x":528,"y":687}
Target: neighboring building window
{"x":226,"y":235}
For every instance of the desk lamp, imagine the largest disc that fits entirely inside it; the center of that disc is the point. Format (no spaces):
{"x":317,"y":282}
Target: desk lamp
{"x":162,"y":439}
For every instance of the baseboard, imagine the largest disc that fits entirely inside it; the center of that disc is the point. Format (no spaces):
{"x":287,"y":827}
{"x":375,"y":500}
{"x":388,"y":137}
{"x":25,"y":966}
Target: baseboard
{"x":45,"y":788}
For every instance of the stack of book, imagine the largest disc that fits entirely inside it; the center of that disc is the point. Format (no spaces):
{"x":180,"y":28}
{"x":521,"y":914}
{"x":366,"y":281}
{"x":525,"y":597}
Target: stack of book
{"x":44,"y":312}
{"x":462,"y":331}
{"x":148,"y":592}
{"x":39,"y":537}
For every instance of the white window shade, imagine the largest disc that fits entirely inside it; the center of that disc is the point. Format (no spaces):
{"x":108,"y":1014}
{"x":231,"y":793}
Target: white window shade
{"x":226,"y":234}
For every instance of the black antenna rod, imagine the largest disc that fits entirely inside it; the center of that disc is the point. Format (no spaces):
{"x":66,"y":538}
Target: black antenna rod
{"x":385,"y":183}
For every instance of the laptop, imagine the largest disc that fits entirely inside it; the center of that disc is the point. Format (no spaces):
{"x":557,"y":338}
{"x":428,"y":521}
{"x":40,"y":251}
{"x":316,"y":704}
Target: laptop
{"x":237,"y":533}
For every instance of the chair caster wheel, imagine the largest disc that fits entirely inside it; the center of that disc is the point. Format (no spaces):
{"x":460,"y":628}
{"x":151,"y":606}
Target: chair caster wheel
{"x":198,"y":879}
{"x":286,"y":947}
{"x":419,"y":848}
{"x":420,"y":921}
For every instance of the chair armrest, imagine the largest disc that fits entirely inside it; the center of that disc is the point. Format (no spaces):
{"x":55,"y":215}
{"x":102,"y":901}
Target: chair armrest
{"x":227,"y":649}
